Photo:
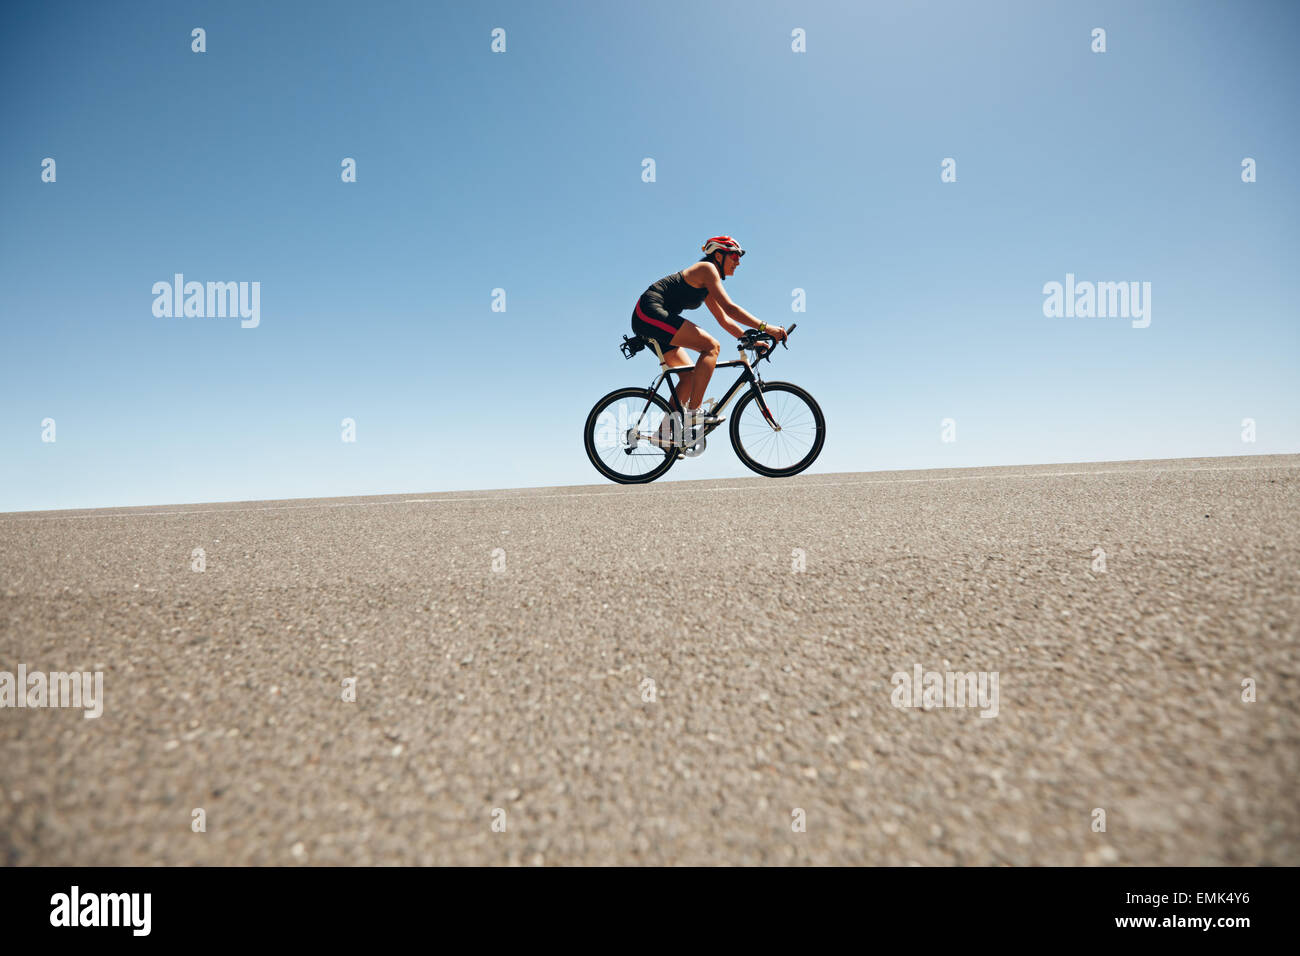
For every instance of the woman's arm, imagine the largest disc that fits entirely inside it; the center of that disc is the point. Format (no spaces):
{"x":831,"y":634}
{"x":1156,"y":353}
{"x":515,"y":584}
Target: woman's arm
{"x":729,"y":315}
{"x":720,"y":313}
{"x":727,"y":312}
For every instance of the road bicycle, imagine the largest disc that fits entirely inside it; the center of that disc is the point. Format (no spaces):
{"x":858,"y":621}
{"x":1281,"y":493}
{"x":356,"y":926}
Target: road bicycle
{"x":777,"y":429}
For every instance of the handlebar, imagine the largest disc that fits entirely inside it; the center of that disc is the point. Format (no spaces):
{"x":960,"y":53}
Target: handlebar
{"x":754,"y":339}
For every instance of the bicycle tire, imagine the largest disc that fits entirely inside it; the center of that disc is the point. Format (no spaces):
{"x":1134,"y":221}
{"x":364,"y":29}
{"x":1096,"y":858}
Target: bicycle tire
{"x":589,"y":438}
{"x":819,"y":438}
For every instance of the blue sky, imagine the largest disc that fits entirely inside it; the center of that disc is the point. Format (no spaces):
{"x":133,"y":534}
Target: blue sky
{"x":522,"y":171}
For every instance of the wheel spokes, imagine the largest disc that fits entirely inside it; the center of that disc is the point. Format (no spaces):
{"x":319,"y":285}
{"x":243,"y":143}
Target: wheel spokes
{"x":778,"y":450}
{"x":622,"y":417}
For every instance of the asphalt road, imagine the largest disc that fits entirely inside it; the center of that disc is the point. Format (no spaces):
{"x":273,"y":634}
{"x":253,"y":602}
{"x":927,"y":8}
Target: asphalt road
{"x":501,"y":644}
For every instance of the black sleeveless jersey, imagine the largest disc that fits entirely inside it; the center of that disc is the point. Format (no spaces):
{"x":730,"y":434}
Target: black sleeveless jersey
{"x":674,"y":294}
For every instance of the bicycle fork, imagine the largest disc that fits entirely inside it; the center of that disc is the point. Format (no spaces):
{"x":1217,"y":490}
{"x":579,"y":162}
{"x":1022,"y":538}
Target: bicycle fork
{"x":762,"y":404}
{"x":767,"y":413}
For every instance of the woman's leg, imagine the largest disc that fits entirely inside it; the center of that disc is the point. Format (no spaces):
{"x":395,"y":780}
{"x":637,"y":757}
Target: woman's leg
{"x":691,"y":336}
{"x":677,"y":358}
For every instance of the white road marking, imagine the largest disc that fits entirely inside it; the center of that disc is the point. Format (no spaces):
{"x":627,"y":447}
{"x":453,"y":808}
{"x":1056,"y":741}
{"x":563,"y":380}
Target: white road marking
{"x":658,"y":489}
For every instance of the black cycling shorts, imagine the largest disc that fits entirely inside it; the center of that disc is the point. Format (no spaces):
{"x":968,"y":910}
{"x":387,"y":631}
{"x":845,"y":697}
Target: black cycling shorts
{"x":654,"y":323}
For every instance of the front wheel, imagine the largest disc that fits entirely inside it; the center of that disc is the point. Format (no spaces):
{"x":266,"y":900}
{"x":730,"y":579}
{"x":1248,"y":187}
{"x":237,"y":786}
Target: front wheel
{"x":789,"y":447}
{"x":618,"y":432}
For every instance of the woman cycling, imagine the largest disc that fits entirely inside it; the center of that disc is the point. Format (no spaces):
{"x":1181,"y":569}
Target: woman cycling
{"x":658,"y":316}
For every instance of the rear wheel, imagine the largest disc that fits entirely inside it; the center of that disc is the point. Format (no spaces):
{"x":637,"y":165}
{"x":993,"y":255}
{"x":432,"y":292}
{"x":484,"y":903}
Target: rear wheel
{"x":617,"y":435}
{"x":767,"y":450}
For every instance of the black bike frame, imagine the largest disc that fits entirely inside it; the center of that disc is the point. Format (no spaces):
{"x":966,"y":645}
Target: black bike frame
{"x":747,"y":377}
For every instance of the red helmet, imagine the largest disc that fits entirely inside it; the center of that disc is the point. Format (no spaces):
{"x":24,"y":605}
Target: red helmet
{"x":723,"y":243}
